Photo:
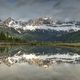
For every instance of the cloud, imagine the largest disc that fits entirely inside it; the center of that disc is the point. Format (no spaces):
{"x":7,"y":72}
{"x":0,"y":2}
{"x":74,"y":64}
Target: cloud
{"x":25,"y":9}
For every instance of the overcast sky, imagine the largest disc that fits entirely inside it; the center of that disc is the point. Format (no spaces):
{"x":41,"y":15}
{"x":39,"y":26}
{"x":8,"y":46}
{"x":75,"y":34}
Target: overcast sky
{"x":27,"y":9}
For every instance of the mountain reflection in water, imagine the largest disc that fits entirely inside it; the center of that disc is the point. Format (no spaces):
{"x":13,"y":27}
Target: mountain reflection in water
{"x":40,"y":56}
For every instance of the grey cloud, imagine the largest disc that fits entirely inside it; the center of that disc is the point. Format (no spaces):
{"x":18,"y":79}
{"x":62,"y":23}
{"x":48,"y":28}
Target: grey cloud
{"x":25,"y":9}
{"x":31,"y":2}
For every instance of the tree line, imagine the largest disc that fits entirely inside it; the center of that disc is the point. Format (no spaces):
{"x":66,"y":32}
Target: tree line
{"x":7,"y":37}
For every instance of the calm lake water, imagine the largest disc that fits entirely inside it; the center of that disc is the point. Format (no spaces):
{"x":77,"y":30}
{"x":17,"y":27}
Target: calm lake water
{"x":39,"y":63}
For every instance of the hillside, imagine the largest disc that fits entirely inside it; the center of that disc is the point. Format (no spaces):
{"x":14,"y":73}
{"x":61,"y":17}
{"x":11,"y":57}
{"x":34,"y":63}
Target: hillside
{"x":71,"y":37}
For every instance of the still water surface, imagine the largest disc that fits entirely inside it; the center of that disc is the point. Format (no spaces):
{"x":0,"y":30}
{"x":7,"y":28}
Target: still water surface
{"x":39,"y":63}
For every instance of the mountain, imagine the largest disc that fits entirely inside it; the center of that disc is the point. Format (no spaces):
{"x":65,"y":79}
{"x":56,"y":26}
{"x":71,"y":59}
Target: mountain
{"x":41,"y":29}
{"x":45,"y":23}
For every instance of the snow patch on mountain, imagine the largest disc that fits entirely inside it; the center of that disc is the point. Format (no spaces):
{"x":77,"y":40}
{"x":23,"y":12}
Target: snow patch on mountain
{"x":58,"y":28}
{"x":41,"y":23}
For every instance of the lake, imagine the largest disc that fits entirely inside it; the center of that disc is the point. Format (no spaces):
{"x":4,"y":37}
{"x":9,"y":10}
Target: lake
{"x":39,"y":63}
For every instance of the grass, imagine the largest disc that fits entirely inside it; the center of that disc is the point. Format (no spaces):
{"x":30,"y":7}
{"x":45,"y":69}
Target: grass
{"x":59,"y":44}
{"x":35,"y":43}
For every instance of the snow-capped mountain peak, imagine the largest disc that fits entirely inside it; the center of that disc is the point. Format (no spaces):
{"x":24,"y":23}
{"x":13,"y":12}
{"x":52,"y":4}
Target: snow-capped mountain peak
{"x":12,"y":23}
{"x":9,"y":21}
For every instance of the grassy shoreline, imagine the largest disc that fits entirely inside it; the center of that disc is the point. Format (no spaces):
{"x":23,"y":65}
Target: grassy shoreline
{"x":54,"y":44}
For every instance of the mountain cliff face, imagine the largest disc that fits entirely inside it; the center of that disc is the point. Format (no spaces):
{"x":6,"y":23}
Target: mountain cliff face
{"x":40,"y":29}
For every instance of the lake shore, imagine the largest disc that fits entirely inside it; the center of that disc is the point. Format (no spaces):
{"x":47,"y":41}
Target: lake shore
{"x":54,"y":44}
